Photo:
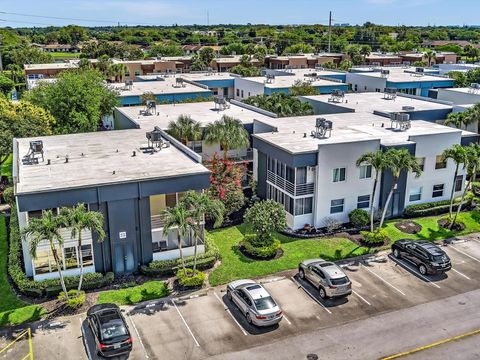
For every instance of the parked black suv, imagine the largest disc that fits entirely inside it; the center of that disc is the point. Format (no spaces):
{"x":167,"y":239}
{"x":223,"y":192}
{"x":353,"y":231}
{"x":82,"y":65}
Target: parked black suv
{"x":110,"y":330}
{"x":428,"y":257}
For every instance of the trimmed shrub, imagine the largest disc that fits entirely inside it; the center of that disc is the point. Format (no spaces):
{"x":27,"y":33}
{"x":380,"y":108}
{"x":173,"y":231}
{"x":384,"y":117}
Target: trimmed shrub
{"x":359,"y":218}
{"x":377,"y":237}
{"x":188,"y":279}
{"x":431,"y":208}
{"x":263,"y":252}
{"x":8,"y":195}
{"x":74,"y":301}
{"x":475,"y":188}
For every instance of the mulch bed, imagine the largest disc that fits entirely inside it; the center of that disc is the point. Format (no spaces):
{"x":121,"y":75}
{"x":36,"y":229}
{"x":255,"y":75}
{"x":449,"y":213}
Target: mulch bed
{"x":445,"y":224}
{"x":408,"y":227}
{"x":278,"y":254}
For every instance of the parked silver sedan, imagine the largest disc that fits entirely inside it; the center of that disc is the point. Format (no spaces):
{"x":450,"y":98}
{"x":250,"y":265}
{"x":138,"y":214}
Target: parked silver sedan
{"x":326,"y":276}
{"x":254,"y":302}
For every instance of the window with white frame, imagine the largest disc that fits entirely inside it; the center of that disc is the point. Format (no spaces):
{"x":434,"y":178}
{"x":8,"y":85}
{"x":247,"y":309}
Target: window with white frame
{"x":336,"y":206}
{"x":363,"y":202}
{"x":338,"y":174}
{"x":440,"y":162}
{"x":303,"y":206}
{"x":196,"y":146}
{"x":438,"y":190}
{"x":415,"y":194}
{"x":68,"y":257}
{"x":459,"y":183}
{"x":365,"y":171}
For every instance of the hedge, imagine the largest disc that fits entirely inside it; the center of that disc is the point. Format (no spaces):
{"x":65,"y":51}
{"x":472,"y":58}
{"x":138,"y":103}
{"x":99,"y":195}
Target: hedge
{"x":431,"y":208}
{"x":262,"y":252}
{"x":50,"y":287}
{"x":169,"y":267}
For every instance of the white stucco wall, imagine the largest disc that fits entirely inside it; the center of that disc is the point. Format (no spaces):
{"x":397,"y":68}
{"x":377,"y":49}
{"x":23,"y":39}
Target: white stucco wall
{"x":175,"y":254}
{"x":249,"y":88}
{"x":366,"y":83}
{"x":458,"y":97}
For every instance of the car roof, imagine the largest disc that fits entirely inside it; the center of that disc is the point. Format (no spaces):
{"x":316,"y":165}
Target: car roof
{"x":256,"y":291}
{"x":312,"y":261}
{"x":332,"y":270}
{"x":241,"y":283}
{"x":99,"y":308}
{"x":430,"y":247}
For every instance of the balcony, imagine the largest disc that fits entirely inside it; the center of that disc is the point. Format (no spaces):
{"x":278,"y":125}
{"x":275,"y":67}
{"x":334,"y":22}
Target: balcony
{"x":234,"y":157}
{"x":294,"y":190}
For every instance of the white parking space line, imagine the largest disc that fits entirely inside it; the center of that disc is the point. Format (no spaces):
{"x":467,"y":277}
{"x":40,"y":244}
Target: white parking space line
{"x":401,"y":263}
{"x":231,"y":315}
{"x":385,"y":281}
{"x":361,"y":297}
{"x":461,"y":274}
{"x":464,"y":253}
{"x":139,"y":337}
{"x":286,"y":319}
{"x":85,"y":344}
{"x":185,"y":323}
{"x":311,"y":295}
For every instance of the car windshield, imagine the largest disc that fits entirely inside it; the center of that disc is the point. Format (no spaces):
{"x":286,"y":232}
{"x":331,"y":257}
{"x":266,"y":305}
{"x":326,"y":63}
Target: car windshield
{"x":265,"y":303}
{"x":113,"y":329}
{"x":339,"y":281}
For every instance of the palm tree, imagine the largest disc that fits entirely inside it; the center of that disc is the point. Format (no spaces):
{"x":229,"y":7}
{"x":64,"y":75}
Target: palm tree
{"x":185,"y":129}
{"x":228,"y":132}
{"x":457,"y":120}
{"x":201,"y":206}
{"x":430,"y":55}
{"x":397,"y":161}
{"x":118,"y":71}
{"x":365,"y":50}
{"x":458,"y":155}
{"x":46,"y":228}
{"x":80,"y":219}
{"x":377,"y":161}
{"x":472,"y":164}
{"x":180,"y":219}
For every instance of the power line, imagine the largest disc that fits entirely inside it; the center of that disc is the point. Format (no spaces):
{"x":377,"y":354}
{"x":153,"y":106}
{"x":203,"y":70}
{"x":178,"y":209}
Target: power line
{"x":57,"y":17}
{"x":25,"y":22}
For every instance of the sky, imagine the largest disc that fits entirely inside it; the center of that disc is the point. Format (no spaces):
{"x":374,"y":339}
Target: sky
{"x":168,"y":12}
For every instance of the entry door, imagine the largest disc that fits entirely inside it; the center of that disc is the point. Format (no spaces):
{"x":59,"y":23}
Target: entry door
{"x":395,"y":204}
{"x":124,"y":257}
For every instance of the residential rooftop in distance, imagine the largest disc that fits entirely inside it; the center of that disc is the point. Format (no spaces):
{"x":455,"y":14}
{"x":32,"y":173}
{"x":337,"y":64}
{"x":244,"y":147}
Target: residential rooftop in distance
{"x":167,"y":85}
{"x":100,"y":158}
{"x":401,"y":74}
{"x":293,"y":133}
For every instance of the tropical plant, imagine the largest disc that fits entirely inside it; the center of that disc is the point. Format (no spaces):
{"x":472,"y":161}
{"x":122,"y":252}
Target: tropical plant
{"x":398,"y":161}
{"x":229,"y":133}
{"x":118,"y":71}
{"x":345,"y":65}
{"x":47,"y":228}
{"x":377,"y":161}
{"x":202,"y":206}
{"x":79,"y":219}
{"x":365,"y":50}
{"x":185,"y":129}
{"x":302,"y":88}
{"x":266,"y":217}
{"x":430,"y":55}
{"x":466,"y":118}
{"x":359,"y":218}
{"x":458,"y":155}
{"x":281,"y":104}
{"x":178,"y":219}
{"x":472,"y":165}
{"x":148,"y":96}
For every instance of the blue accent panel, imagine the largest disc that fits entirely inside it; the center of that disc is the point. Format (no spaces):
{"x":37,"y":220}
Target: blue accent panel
{"x":341,"y":77}
{"x":249,"y":128}
{"x":169,"y":98}
{"x":325,"y":89}
{"x":467,"y":140}
{"x":430,"y":115}
{"x":217,"y":83}
{"x":262,"y":175}
{"x":293,"y":160}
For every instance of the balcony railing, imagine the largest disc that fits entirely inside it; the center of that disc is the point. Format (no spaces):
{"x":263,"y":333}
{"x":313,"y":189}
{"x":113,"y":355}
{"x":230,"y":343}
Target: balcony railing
{"x":234,"y":157}
{"x":292,"y":189}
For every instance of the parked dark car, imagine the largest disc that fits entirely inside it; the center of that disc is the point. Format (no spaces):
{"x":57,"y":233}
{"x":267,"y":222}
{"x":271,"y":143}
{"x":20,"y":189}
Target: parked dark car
{"x":428,"y":257}
{"x":110,"y":330}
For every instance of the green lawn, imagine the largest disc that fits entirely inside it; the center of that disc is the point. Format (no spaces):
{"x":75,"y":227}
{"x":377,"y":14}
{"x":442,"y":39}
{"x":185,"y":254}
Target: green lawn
{"x":129,"y":296}
{"x":431,"y":230}
{"x":13,"y":311}
{"x":65,"y":55}
{"x":236,"y":266}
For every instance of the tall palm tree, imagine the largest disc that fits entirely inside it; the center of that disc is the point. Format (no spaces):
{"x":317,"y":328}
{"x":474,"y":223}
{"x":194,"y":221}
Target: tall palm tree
{"x":178,"y":218}
{"x":118,"y":71}
{"x":201,"y":206}
{"x":430,"y":55}
{"x":376,"y":160}
{"x":458,"y":155}
{"x":46,"y":228}
{"x":397,"y":161}
{"x":472,"y":164}
{"x":457,"y":120}
{"x":185,"y":129}
{"x":365,"y":50}
{"x":79,"y":219}
{"x":228,"y":132}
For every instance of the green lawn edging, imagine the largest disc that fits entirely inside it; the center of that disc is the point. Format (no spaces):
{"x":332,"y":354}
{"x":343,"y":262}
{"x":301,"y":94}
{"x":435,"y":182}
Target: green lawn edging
{"x":148,"y":291}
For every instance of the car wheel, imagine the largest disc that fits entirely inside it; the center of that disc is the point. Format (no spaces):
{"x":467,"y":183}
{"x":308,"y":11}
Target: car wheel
{"x":423,"y":269}
{"x":322,"y":293}
{"x":249,"y":318}
{"x":229,"y":295}
{"x":301,"y":273}
{"x":396,"y":253}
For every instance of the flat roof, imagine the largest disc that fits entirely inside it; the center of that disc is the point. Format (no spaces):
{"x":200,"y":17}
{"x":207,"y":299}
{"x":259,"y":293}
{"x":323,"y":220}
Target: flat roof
{"x":207,"y":76}
{"x":302,"y":72}
{"x":203,"y":112}
{"x":347,"y":128}
{"x":53,"y":66}
{"x":370,"y":101}
{"x":401,"y":74}
{"x":103,"y":153}
{"x":158,"y":87}
{"x":285,"y":81}
{"x":464,"y":90}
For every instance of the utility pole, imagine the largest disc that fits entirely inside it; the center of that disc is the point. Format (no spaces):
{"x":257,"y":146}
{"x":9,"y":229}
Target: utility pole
{"x":329,"y":31}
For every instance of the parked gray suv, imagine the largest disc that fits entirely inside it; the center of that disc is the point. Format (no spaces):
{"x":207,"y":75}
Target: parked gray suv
{"x":326,"y":276}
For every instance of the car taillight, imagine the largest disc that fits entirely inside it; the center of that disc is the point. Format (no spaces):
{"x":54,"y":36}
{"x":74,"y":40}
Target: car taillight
{"x":332,"y":287}
{"x":279,"y":313}
{"x":102,"y":346}
{"x":129,"y":340}
{"x":261,"y":317}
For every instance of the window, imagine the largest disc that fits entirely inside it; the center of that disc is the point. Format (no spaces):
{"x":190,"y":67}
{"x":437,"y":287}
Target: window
{"x":196,"y":146}
{"x":415,"y":194}
{"x":87,"y":255}
{"x":238,"y":92}
{"x":301,"y":175}
{"x":355,"y":87}
{"x":365,"y":171}
{"x":459,"y":183}
{"x":421,"y":162}
{"x":440,"y":162}
{"x":42,"y":262}
{"x":71,"y":260}
{"x":137,"y":73}
{"x":242,"y":93}
{"x":336,"y":206}
{"x":338,"y":174}
{"x":363,"y":202}
{"x":303,"y":206}
{"x":437,"y":190}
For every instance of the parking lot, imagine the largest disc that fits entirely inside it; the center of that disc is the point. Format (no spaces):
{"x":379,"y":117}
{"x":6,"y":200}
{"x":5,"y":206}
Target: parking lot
{"x":209,"y":325}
